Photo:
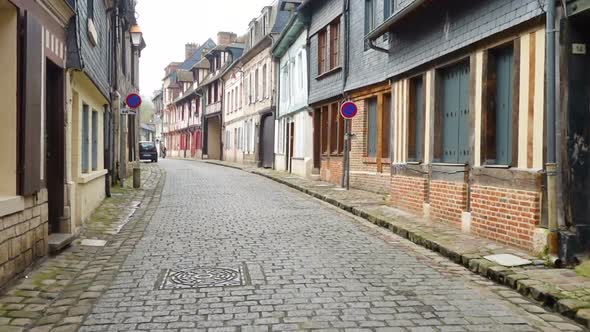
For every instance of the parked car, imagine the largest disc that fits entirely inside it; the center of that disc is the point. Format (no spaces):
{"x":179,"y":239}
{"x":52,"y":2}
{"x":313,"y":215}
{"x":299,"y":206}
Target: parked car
{"x":148,"y":151}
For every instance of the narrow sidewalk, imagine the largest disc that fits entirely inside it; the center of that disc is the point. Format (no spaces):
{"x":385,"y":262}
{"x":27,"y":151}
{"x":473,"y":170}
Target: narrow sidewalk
{"x":561,"y":290}
{"x":57,"y":294}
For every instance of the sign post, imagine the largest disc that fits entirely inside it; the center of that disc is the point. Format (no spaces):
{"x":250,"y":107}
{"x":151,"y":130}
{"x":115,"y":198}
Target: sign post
{"x":348,"y":111}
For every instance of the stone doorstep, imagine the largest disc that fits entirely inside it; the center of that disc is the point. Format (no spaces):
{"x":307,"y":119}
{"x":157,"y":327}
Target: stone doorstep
{"x":545,"y":293}
{"x":58,"y":241}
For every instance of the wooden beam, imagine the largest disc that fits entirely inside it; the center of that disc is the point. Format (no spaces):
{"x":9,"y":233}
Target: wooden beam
{"x":379,"y":132}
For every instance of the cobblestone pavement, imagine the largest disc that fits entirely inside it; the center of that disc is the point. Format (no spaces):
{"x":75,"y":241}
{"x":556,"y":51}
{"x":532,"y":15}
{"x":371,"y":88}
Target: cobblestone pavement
{"x":304,"y":266}
{"x":59,"y":292}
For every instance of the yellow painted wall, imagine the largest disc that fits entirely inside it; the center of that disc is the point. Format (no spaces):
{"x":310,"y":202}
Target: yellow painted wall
{"x":87,"y":189}
{"x":8,"y":107}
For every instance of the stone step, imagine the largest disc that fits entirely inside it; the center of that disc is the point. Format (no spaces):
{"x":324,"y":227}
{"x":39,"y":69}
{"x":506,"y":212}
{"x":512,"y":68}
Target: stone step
{"x":58,"y":241}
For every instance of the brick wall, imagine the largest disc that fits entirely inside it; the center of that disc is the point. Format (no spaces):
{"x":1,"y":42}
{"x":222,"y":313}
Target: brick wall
{"x":506,"y":215}
{"x":409,"y":193}
{"x":364,"y":174}
{"x":331,"y":170}
{"x":23,"y":237}
{"x":448,"y":200}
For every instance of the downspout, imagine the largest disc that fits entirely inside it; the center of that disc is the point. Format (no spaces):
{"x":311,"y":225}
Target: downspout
{"x":346,"y":162}
{"x":551,"y":165}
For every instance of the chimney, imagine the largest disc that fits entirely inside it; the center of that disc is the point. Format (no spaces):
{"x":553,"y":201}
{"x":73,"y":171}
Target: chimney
{"x":226,"y":38}
{"x":190,"y":49}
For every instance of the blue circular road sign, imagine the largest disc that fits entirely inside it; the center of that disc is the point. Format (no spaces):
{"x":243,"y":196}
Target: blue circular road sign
{"x":133,"y":100}
{"x":348,"y":110}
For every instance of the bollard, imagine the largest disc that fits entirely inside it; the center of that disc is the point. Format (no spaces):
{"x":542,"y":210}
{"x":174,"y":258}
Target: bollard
{"x":136,"y":177}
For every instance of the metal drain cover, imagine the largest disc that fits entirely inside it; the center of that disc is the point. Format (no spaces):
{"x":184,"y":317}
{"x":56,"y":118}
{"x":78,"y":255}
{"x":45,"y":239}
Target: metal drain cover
{"x":202,"y":277}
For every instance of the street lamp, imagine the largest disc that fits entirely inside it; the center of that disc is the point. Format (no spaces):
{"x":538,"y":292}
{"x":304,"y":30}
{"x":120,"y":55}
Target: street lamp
{"x":135,"y":35}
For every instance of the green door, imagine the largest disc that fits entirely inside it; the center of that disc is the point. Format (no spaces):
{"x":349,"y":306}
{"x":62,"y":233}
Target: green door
{"x":504,"y":92}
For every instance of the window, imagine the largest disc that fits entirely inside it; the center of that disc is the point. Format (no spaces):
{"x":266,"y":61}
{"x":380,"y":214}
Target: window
{"x":256,"y":88}
{"x":389,"y":7}
{"x":94,"y":140}
{"x":215,"y":92}
{"x":369,"y":16}
{"x":85,"y":141}
{"x":335,"y":44}
{"x":498,"y":125}
{"x":452,"y":118}
{"x":264,"y":81}
{"x":334,"y":128}
{"x":90,"y":9}
{"x":324,"y":131}
{"x":386,"y":130}
{"x":372,"y":127}
{"x":322,"y":51}
{"x":341,"y":131}
{"x":300,"y":70}
{"x":416,"y":120}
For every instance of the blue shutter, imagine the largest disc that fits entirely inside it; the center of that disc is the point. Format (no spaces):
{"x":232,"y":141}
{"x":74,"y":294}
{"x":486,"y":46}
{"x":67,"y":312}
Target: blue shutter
{"x":94,"y":140}
{"x":419,"y":104}
{"x":504,"y":77}
{"x":372,"y":128}
{"x":464,"y":152}
{"x":85,"y":139}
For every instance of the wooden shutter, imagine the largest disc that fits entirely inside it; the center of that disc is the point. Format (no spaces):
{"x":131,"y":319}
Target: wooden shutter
{"x":372,"y":128}
{"x":417,"y":117}
{"x":30,"y":139}
{"x":456,"y":114}
{"x":386,"y":131}
{"x":464,"y":128}
{"x":504,"y":77}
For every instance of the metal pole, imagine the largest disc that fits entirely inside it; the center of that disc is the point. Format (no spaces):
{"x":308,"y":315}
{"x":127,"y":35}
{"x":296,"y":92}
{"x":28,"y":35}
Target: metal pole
{"x":346,"y":161}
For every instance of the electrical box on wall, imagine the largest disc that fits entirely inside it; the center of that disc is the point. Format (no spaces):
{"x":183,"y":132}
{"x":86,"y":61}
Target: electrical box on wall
{"x":579,"y":49}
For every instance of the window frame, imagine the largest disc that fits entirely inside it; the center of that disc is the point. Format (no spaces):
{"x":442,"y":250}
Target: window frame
{"x":334,"y":51}
{"x":322,"y":51}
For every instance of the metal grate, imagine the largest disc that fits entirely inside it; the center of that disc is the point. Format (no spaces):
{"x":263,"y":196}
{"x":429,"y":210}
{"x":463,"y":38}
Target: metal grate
{"x":202,"y":277}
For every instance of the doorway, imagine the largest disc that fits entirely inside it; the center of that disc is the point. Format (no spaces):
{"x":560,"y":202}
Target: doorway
{"x":290,"y":147}
{"x":55,"y":145}
{"x":267,"y":141}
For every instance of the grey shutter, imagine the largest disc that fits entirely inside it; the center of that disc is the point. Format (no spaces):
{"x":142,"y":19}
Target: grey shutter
{"x":456,"y":114}
{"x":419,"y":102}
{"x":372,"y":128}
{"x":94,"y":140}
{"x":504,"y":77}
{"x":464,"y":152}
{"x":450,"y":115}
{"x":84,"y":139}
{"x":30,"y":139}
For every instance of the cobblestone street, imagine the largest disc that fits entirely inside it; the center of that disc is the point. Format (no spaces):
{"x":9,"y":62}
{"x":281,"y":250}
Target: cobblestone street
{"x":304,"y":265}
{"x":217,"y":249}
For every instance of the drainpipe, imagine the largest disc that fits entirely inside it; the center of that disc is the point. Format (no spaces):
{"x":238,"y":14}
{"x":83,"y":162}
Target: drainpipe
{"x":551,"y":165}
{"x":345,"y":180}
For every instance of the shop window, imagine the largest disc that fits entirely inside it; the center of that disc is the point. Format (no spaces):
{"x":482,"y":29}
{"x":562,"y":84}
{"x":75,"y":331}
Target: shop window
{"x":324,"y":129}
{"x":498,"y":122}
{"x":416,"y":120}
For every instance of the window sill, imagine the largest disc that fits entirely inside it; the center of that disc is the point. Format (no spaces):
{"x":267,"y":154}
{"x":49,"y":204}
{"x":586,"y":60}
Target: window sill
{"x":11,"y":204}
{"x":373,"y":160}
{"x":89,"y":177}
{"x":329,"y":72}
{"x":497,"y":166}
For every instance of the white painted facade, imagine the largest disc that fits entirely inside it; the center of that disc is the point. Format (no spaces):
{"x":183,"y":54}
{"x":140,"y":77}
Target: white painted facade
{"x":294,"y":122}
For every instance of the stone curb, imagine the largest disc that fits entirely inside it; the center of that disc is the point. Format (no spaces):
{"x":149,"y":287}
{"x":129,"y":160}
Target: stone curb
{"x":543,"y":293}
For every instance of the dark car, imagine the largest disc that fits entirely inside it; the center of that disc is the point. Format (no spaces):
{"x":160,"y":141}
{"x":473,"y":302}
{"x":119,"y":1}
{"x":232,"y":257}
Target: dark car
{"x":148,"y":151}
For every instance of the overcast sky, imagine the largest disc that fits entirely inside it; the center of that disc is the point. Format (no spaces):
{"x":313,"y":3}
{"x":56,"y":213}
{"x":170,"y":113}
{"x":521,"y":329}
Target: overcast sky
{"x":168,"y":24}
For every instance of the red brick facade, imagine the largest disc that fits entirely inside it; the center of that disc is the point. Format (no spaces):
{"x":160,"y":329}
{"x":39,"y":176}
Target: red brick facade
{"x":506,"y":215}
{"x":409,"y":193}
{"x":448,"y":201}
{"x":331,"y":170}
{"x":365,"y":173}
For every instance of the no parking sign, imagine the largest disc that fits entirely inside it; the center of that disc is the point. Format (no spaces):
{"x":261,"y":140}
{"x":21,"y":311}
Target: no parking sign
{"x":349,"y":110}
